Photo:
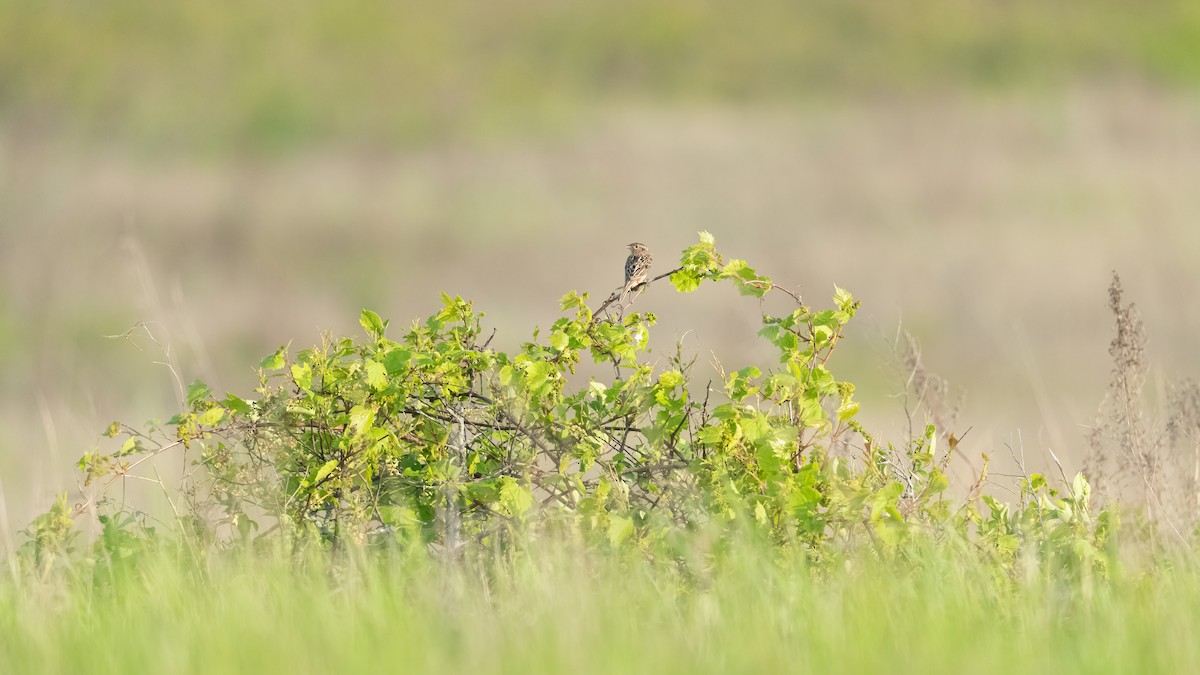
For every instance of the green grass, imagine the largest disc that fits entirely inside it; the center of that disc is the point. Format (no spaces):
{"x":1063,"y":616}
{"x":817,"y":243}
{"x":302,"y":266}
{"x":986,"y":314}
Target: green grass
{"x":557,"y":610}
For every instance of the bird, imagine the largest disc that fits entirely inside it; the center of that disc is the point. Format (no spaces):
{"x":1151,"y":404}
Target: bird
{"x":637,"y":268}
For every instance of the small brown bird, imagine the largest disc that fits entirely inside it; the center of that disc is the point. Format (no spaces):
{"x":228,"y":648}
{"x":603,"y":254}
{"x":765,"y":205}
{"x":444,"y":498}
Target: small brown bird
{"x":637,"y":268}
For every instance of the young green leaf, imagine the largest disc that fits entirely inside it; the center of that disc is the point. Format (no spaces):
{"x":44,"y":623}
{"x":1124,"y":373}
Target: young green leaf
{"x":197,"y":391}
{"x":236,"y":405}
{"x":276,"y":360}
{"x":377,"y":375}
{"x":361,"y":419}
{"x":372,"y":323}
{"x":211,"y":417}
{"x":326,"y":469}
{"x":302,"y":375}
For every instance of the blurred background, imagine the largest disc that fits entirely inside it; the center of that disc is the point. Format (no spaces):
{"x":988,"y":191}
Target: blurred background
{"x":241,"y":175}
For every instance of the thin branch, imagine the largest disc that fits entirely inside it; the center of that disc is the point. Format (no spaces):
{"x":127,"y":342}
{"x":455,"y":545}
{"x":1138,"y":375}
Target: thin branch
{"x":617,"y":294}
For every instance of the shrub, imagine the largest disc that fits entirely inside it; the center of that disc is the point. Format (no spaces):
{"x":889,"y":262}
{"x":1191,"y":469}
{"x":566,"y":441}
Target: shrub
{"x":431,"y":438}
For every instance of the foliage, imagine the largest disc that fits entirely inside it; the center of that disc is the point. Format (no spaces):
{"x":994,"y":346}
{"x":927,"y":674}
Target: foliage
{"x":436,"y":440}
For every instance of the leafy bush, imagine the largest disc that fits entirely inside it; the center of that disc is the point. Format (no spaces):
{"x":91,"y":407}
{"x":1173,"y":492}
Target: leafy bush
{"x":431,"y":438}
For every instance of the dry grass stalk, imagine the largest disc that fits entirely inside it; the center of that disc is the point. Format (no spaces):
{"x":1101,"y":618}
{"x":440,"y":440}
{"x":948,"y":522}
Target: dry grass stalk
{"x":927,"y":390}
{"x":1121,"y":463}
{"x":1148,"y":463}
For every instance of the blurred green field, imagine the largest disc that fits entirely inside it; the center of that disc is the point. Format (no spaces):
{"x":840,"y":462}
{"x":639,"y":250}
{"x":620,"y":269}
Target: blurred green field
{"x":242,"y":177}
{"x":269,"y":75}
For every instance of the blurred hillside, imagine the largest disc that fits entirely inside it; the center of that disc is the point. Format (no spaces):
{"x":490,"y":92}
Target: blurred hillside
{"x":245,"y":175}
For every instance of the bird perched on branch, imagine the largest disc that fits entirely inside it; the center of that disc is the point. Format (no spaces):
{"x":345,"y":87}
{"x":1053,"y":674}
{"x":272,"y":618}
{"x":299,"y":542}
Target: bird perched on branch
{"x":637,"y":268}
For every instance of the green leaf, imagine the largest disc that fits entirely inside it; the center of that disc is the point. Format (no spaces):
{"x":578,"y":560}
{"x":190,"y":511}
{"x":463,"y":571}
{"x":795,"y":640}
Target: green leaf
{"x":811,"y":413}
{"x":787,"y":341}
{"x":397,"y":361}
{"x":843,"y":299}
{"x":619,"y":529}
{"x":937,"y":481}
{"x":748,"y":372}
{"x":211,"y":417}
{"x":820,"y":379}
{"x":825,"y":318}
{"x":112,"y":430}
{"x":454,"y":308}
{"x":484,"y":491}
{"x":847,"y":408}
{"x":706,"y":238}
{"x":747,"y":280}
{"x":734,"y":267}
{"x":572,"y":300}
{"x":508,"y":376}
{"x":685,"y":281}
{"x":754,"y":428}
{"x":760,"y":514}
{"x":377,"y":375}
{"x":725,"y":411}
{"x":361,"y":419}
{"x":374,"y":325}
{"x":197,"y":391}
{"x":671,"y":379}
{"x":739,"y":385}
{"x":539,"y":377}
{"x":710,"y":435}
{"x":514,"y":497}
{"x":884,"y":498}
{"x":326,"y":469}
{"x":276,"y":360}
{"x":1080,"y":489}
{"x":1008,"y":544}
{"x":999,"y":510}
{"x":559,"y":340}
{"x":302,"y":375}
{"x":237,"y":406}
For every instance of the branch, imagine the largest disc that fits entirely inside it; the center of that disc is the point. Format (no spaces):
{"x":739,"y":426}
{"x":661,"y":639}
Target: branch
{"x":119,"y":473}
{"x":617,"y":294}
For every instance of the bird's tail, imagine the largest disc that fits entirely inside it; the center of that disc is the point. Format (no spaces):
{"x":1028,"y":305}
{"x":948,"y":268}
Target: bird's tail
{"x":627,"y":292}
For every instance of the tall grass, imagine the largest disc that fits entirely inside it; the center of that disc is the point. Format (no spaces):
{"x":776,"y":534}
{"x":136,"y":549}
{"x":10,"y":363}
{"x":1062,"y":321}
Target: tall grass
{"x":559,"y":609}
